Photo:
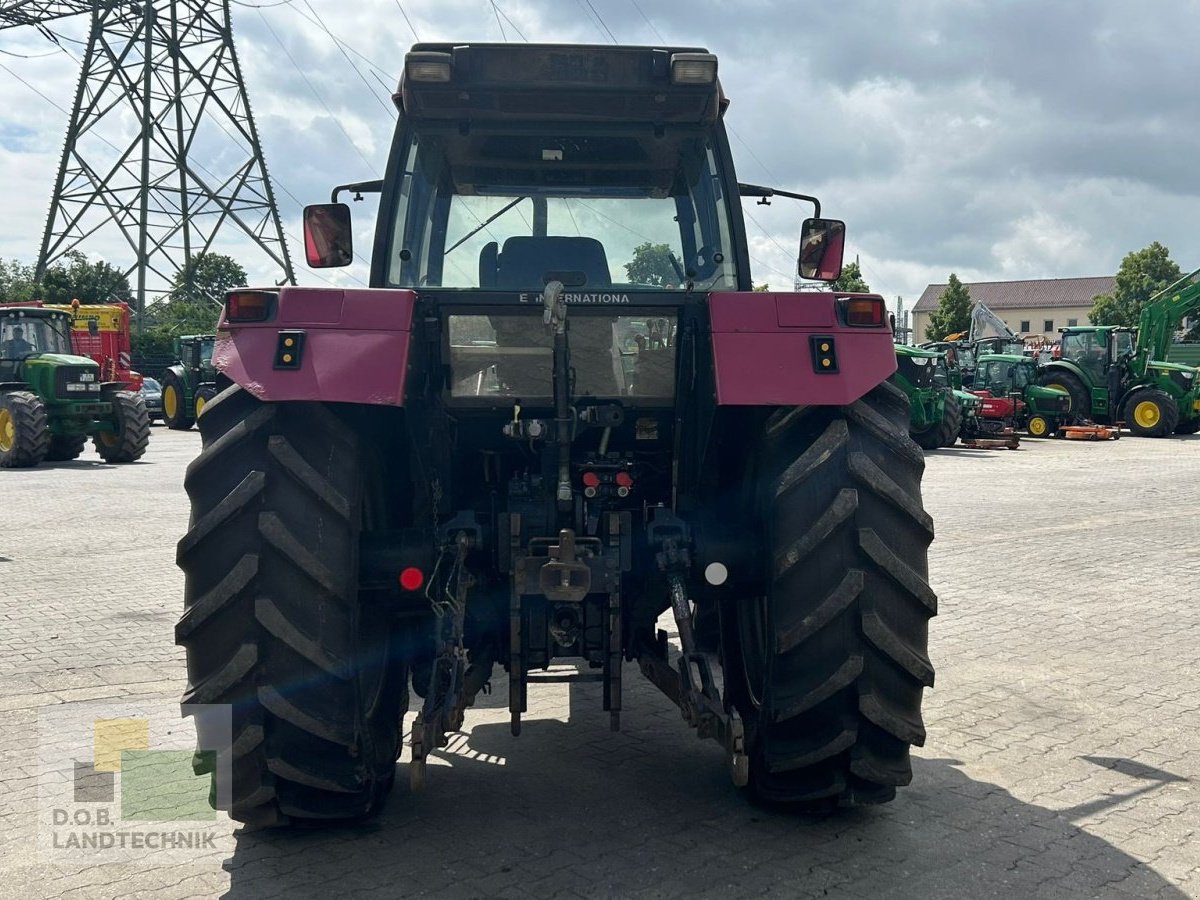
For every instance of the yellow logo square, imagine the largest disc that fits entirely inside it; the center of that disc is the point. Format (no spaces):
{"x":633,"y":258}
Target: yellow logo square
{"x":116,"y":735}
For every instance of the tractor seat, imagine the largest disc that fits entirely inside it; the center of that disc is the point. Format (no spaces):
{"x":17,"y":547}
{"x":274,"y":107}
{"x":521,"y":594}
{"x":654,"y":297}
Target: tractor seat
{"x":529,"y":262}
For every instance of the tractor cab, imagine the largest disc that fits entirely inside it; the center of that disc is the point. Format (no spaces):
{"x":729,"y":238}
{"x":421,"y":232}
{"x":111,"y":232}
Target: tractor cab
{"x":1008,"y":384}
{"x":33,"y":336}
{"x":51,"y":400}
{"x":1002,"y":374}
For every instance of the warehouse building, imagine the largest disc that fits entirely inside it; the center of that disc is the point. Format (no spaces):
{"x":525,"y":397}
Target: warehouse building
{"x":1030,"y":308}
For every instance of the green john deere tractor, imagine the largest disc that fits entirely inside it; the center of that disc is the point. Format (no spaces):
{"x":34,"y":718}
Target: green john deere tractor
{"x":51,"y":400}
{"x":1008,"y":385}
{"x":1120,"y":374}
{"x":189,"y":384}
{"x":936,"y":411}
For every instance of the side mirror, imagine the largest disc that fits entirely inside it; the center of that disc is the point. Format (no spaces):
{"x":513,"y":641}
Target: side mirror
{"x":328,"y":240}
{"x":822,"y":245}
{"x":93,"y":327}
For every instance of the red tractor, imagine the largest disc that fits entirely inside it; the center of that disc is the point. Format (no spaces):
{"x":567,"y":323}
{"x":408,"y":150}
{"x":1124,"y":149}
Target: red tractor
{"x":559,"y":412}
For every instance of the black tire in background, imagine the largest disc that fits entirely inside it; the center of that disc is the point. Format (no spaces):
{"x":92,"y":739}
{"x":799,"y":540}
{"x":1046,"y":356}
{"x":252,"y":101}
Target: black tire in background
{"x":1165,"y":416}
{"x":274,"y":624}
{"x":951,"y":422}
{"x":65,"y":447}
{"x":827,"y":669}
{"x":1081,"y":399}
{"x":204,"y":396}
{"x":128,"y":443}
{"x":176,"y":414}
{"x":24,"y":430}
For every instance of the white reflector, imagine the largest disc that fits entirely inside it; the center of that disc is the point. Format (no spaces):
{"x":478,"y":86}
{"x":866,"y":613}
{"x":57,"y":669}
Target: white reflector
{"x":716,"y":574}
{"x":693,"y":68}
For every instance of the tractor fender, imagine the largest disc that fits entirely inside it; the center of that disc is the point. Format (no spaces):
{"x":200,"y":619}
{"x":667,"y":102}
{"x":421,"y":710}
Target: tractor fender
{"x":349,"y":346}
{"x":1063,"y":365}
{"x":768,"y":350}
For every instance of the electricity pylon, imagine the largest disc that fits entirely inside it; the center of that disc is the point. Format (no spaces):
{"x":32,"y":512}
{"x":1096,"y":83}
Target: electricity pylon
{"x":161,"y":146}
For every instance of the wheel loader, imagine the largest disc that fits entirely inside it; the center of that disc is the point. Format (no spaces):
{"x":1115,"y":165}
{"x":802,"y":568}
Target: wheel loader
{"x":521,"y":451}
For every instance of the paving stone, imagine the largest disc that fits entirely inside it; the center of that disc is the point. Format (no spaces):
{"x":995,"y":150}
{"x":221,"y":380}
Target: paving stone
{"x":1064,"y":731}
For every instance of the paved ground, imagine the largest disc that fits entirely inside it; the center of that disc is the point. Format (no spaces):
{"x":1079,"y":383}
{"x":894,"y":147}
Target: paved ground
{"x":1064,"y":731}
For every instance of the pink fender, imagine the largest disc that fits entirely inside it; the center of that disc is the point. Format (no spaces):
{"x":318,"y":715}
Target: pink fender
{"x":356,"y":345}
{"x":763,"y":351}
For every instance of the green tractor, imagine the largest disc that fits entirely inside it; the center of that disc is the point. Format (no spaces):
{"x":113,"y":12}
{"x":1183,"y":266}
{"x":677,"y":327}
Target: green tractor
{"x":1007,"y":384}
{"x":936,"y":411}
{"x":189,"y":384}
{"x":1120,"y":374}
{"x":51,"y":400}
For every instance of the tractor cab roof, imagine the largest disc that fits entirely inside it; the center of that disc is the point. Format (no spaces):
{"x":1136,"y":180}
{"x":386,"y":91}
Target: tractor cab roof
{"x":467,"y":84}
{"x":1005,"y":357}
{"x":918,"y":352}
{"x":34,"y":312}
{"x":1081,"y":329}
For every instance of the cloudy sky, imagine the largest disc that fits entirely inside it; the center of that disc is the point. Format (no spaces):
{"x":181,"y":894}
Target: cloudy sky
{"x":997,"y":139}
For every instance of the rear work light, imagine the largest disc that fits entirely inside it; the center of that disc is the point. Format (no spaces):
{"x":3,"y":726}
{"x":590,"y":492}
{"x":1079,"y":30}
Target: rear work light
{"x":864,"y":312}
{"x":427,"y":66}
{"x":693,"y":68}
{"x":249,"y":306}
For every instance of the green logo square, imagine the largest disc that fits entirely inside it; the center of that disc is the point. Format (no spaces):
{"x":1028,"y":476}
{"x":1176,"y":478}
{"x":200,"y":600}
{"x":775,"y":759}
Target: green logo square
{"x":160,"y":786}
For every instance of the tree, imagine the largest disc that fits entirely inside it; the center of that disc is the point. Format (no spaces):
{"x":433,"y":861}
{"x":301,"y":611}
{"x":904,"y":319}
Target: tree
{"x":851,"y":280}
{"x":207,"y":278}
{"x":197,"y":292}
{"x":651,"y":265}
{"x":1143,"y":274}
{"x":953,"y":313}
{"x":17,"y":284}
{"x":74,"y":278}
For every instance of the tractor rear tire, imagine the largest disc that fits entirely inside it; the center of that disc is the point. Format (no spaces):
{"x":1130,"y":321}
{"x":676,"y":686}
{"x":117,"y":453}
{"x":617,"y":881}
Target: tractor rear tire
{"x":929,"y":439}
{"x":827,"y":669}
{"x":128,"y":443}
{"x":1151,"y":413}
{"x":1189,"y":427}
{"x":24,"y":430}
{"x":64,"y":447}
{"x":951,"y":422}
{"x":1081,"y":400}
{"x":174,"y":403}
{"x":274,"y":625}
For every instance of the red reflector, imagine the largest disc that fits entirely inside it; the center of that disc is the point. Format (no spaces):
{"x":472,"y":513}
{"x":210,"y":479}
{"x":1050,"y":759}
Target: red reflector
{"x":591,"y":479}
{"x":248,"y":306}
{"x":624,"y":479}
{"x":411,"y":578}
{"x":864,"y":311}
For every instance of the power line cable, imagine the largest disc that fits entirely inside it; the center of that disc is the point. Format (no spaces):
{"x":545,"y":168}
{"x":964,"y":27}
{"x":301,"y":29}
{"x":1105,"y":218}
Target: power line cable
{"x":346,"y":56}
{"x":500,"y":24}
{"x":509,"y":20}
{"x":316,"y":93}
{"x":586,"y":5}
{"x":657,"y":33}
{"x":411,"y":27}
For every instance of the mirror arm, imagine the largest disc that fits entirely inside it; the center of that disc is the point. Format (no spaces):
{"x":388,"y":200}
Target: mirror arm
{"x":359,"y":188}
{"x":757,"y":190}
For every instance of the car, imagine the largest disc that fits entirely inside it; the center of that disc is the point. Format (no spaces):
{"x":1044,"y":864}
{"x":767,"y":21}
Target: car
{"x":152,"y":393}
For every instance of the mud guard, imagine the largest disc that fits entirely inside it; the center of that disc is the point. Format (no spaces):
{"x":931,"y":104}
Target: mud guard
{"x":351,"y":346}
{"x":774,"y":349}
